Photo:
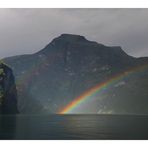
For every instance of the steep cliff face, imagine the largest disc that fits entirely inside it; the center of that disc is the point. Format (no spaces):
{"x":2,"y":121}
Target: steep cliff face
{"x":8,"y":93}
{"x":70,"y":65}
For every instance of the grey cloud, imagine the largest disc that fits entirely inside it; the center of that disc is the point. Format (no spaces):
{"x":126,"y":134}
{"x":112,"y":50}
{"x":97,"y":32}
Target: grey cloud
{"x":29,"y":30}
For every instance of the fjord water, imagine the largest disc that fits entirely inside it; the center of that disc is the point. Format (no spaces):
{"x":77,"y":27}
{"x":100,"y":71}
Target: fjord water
{"x":74,"y":127}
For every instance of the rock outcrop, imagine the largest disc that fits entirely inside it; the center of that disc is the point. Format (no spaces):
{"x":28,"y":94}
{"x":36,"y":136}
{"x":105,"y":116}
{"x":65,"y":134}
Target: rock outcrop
{"x":8,"y":93}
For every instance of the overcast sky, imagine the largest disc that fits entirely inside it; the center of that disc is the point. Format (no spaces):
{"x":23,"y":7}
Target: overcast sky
{"x":24,"y":31}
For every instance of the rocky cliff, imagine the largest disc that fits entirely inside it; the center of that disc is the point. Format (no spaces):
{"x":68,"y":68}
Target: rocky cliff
{"x":70,"y":65}
{"x":8,"y":93}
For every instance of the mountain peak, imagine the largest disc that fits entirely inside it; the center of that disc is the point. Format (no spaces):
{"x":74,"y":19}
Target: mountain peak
{"x":72,"y":38}
{"x":65,"y":40}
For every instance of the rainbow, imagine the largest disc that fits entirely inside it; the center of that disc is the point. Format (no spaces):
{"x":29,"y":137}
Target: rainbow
{"x":96,"y":89}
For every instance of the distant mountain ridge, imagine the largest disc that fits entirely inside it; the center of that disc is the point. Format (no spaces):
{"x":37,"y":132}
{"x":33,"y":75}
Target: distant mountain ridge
{"x":68,"y":66}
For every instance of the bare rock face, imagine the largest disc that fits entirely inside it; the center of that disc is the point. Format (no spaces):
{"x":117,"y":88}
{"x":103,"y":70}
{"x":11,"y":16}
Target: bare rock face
{"x":8,"y":93}
{"x":69,"y":66}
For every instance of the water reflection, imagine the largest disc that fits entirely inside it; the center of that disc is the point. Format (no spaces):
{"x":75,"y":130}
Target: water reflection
{"x":7,"y":127}
{"x":46,"y":127}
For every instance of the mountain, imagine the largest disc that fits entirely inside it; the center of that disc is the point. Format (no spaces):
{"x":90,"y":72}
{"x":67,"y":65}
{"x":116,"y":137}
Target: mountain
{"x":70,"y":65}
{"x":8,"y":93}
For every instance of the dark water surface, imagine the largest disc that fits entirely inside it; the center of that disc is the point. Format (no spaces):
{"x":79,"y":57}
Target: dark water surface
{"x":74,"y":127}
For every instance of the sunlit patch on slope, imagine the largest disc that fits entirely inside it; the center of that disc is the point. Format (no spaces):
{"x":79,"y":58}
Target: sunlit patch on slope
{"x":121,"y":83}
{"x":105,"y":111}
